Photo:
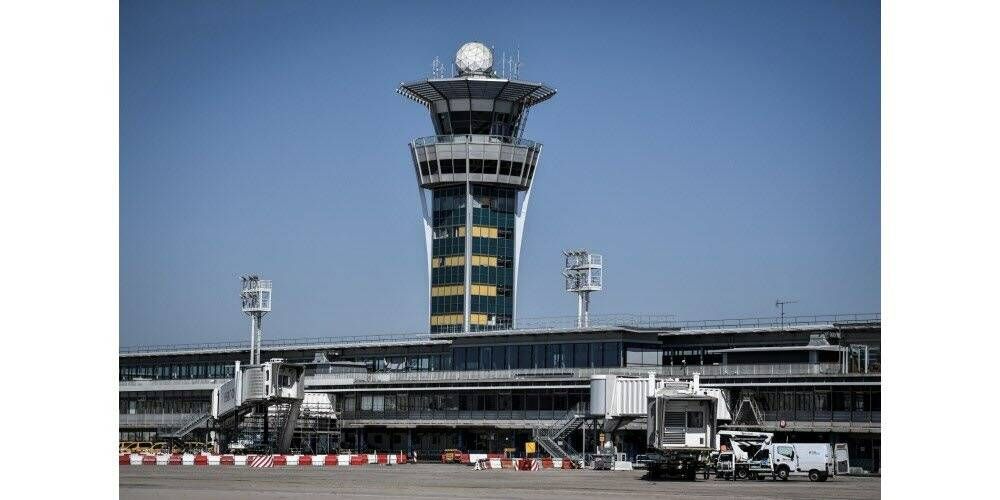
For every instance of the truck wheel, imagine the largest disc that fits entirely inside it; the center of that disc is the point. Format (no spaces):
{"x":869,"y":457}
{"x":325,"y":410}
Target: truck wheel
{"x":741,"y":474}
{"x":783,"y":473}
{"x":814,"y":475}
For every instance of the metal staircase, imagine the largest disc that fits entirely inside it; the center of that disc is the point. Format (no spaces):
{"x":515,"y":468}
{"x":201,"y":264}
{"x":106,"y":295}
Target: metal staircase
{"x":748,"y":412}
{"x":188,"y":426}
{"x":553,"y":438}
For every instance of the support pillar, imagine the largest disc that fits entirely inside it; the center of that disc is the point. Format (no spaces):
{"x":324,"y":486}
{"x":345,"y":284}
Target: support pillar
{"x":264,"y":413}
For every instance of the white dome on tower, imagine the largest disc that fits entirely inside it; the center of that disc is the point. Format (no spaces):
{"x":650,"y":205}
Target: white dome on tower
{"x":474,"y":58}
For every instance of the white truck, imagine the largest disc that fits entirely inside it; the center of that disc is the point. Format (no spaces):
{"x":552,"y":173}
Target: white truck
{"x":738,"y":447}
{"x":782,"y":460}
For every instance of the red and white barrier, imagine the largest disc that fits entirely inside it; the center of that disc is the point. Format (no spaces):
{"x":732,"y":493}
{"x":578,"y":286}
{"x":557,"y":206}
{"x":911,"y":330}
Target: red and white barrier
{"x":204,"y":459}
{"x":525,"y":464}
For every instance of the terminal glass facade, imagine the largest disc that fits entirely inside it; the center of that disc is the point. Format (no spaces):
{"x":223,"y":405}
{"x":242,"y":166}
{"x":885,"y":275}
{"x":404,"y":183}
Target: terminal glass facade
{"x":530,"y":356}
{"x":175,"y":371}
{"x":155,"y":403}
{"x":516,"y":404}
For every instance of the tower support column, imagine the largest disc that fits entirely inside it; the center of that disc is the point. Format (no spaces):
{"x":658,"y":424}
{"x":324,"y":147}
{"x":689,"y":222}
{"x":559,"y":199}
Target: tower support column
{"x":467,"y":282}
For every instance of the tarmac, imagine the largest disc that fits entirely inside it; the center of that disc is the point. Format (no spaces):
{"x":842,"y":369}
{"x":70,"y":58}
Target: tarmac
{"x":456,"y":482}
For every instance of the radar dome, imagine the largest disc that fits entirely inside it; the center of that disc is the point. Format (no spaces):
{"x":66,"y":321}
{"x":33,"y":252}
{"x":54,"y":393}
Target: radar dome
{"x":474,"y":58}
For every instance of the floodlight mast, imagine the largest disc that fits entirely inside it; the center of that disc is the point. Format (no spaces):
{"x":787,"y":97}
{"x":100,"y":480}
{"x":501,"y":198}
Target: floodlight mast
{"x":584,"y":273}
{"x":255,"y":295}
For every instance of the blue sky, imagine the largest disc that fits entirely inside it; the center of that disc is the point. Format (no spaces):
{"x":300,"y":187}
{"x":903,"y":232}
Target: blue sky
{"x":729,"y":152}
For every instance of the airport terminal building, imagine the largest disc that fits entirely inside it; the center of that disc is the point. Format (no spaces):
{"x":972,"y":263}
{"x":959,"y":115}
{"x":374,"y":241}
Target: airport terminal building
{"x":481,"y":380}
{"x":809,"y":379}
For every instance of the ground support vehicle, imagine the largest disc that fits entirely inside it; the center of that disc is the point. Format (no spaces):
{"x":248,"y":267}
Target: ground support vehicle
{"x":677,"y":464}
{"x":783,"y":460}
{"x":727,"y":466}
{"x":739,"y":446}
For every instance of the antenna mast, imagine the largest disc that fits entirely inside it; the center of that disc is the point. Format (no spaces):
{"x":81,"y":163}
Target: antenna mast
{"x":437,"y":68}
{"x":780,"y":304}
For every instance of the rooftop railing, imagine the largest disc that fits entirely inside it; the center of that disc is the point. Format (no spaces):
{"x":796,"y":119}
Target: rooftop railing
{"x":215,"y":381}
{"x":526,"y":325}
{"x":266,"y":343}
{"x":747,"y":370}
{"x":474,"y":139}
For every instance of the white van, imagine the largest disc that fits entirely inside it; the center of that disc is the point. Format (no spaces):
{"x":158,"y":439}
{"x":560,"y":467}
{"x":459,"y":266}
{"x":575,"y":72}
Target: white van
{"x":782,"y":460}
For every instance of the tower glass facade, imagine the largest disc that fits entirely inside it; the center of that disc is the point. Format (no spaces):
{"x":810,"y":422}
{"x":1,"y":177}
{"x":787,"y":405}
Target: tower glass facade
{"x":448,"y":259}
{"x":492,"y":269}
{"x":482,"y":246}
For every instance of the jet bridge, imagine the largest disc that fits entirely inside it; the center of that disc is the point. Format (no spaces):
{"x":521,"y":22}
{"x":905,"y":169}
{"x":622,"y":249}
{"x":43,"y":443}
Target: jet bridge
{"x":619,"y":397}
{"x":613,"y":397}
{"x":616,"y":401}
{"x":257,"y":387}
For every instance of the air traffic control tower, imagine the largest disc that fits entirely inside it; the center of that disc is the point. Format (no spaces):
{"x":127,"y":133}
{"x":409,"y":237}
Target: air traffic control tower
{"x":479,"y":159}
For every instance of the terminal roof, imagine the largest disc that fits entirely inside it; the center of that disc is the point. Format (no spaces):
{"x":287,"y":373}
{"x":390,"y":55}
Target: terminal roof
{"x":428,"y":91}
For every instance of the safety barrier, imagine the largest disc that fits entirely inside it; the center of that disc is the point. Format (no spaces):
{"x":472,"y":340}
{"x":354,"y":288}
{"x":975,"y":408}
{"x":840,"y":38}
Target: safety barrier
{"x":255,"y":460}
{"x":525,"y":464}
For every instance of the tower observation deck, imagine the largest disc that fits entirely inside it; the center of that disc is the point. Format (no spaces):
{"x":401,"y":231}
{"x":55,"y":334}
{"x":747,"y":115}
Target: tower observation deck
{"x":477,"y":159}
